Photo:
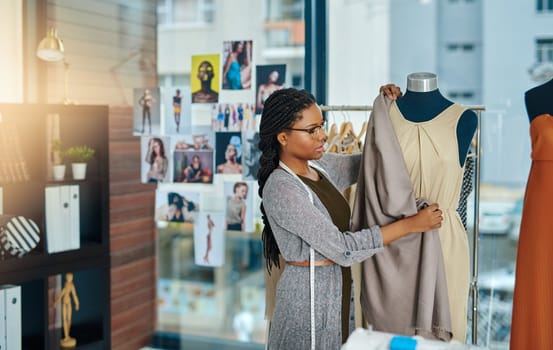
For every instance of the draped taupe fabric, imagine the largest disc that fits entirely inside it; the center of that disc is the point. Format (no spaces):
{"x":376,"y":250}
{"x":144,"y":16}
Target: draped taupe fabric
{"x":403,"y":288}
{"x":431,"y":153}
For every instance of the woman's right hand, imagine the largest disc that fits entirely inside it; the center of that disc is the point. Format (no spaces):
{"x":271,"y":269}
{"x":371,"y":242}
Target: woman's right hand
{"x":426,"y":219}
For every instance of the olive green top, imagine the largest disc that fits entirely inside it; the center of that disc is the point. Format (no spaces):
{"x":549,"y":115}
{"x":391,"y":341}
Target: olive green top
{"x":340,"y":212}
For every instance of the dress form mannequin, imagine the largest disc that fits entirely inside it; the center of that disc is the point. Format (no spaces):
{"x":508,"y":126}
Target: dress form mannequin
{"x":434,"y":135}
{"x":423,"y":101}
{"x":532,"y":303}
{"x":539,"y":100}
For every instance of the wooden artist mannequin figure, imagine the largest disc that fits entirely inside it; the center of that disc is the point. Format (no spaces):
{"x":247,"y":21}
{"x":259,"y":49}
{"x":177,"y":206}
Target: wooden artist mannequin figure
{"x":435,"y":134}
{"x":67,"y":292}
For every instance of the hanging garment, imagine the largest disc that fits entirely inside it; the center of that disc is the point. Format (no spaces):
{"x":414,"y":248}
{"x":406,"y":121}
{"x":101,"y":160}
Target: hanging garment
{"x":532,"y":326}
{"x":404,"y":288}
{"x":466,"y":188}
{"x":431,"y":153}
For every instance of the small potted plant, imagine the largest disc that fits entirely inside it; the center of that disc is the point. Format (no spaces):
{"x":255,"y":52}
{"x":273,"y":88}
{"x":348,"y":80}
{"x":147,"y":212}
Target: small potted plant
{"x":79,"y":155}
{"x":58,"y":155}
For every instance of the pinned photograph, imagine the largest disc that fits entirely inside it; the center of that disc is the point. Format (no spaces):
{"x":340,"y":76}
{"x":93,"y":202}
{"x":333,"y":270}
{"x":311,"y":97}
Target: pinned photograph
{"x":228,"y":155}
{"x":146,"y":111}
{"x":250,"y":155}
{"x":204,"y":78}
{"x":191,"y":166}
{"x":237,"y":66}
{"x":270,"y":78}
{"x":239,"y":216}
{"x":176,"y":109}
{"x":233,"y":116}
{"x":239,"y":205}
{"x":177,"y":206}
{"x":209,"y":239}
{"x":155,"y":159}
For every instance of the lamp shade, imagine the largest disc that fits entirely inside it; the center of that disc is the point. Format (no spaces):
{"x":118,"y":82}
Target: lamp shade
{"x":51,"y":47}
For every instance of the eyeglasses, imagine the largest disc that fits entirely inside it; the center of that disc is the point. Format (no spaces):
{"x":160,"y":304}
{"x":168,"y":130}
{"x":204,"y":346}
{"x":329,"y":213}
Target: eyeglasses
{"x":314,"y":131}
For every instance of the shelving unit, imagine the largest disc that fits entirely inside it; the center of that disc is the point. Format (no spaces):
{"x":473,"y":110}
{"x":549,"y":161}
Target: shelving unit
{"x":39,"y":273}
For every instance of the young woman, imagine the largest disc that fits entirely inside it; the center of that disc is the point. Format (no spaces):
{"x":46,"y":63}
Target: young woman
{"x":231,"y":164}
{"x":236,"y":61}
{"x":157,"y":160}
{"x":193,"y":172}
{"x":210,"y":226}
{"x":236,"y":207}
{"x":303,"y":208}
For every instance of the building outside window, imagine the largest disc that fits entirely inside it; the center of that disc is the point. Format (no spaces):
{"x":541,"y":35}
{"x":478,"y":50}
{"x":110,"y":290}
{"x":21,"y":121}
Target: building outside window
{"x":544,"y":6}
{"x":189,"y":12}
{"x":544,"y":50}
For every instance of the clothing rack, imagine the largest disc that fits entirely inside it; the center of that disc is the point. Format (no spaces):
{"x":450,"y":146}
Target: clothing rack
{"x":478,"y":109}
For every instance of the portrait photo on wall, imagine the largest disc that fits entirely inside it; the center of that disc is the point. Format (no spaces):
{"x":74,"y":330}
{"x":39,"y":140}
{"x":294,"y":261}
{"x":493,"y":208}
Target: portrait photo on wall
{"x":233,"y":116}
{"x":250,"y":155}
{"x":270,"y":78}
{"x":205,"y":78}
{"x":155,"y":151}
{"x":177,"y":206}
{"x":146,"y":111}
{"x":176,"y":110}
{"x":192,"y":166}
{"x":228,"y":152}
{"x":239,"y":205}
{"x":237,"y":65}
{"x":209,"y":239}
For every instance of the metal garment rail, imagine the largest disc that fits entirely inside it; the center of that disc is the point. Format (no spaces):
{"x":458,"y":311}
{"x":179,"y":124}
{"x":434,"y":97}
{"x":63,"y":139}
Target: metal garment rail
{"x":477,"y":138}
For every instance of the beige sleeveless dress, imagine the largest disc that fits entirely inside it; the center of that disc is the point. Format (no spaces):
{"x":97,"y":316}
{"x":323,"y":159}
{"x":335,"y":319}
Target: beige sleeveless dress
{"x":431,"y":154}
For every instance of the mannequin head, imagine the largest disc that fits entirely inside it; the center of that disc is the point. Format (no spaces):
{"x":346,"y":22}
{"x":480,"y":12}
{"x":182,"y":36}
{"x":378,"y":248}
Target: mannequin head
{"x":422,"y":82}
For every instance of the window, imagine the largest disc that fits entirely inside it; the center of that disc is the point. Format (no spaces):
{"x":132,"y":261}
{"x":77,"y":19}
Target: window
{"x":285,"y":26}
{"x":201,"y":303}
{"x":544,"y":50}
{"x":186,"y":11}
{"x":458,"y":1}
{"x":461,"y":94}
{"x":544,"y":5}
{"x":285,"y":10}
{"x":465,"y":47}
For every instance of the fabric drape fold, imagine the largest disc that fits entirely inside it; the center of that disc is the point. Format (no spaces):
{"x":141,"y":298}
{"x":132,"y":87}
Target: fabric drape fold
{"x":404,"y":288}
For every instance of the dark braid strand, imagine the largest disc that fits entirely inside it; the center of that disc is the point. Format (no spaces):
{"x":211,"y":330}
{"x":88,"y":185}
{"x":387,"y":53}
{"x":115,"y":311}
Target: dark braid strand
{"x":280,"y":111}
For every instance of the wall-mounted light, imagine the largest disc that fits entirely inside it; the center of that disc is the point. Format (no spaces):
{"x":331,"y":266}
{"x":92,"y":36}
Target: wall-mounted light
{"x":51,"y":49}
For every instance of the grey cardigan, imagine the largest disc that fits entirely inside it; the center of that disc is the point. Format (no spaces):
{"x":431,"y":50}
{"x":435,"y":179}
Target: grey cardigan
{"x":297,"y":225}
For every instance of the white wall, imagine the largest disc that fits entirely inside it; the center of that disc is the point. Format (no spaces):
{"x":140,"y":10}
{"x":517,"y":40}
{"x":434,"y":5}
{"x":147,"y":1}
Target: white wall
{"x":11,"y":51}
{"x":358,"y":50}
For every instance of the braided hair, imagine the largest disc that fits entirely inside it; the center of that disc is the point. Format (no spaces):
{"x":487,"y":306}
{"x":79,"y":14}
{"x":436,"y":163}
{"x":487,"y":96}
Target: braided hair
{"x":280,"y":111}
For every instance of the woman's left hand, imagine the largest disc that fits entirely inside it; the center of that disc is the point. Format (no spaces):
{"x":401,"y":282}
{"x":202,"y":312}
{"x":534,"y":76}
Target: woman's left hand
{"x":391,"y":91}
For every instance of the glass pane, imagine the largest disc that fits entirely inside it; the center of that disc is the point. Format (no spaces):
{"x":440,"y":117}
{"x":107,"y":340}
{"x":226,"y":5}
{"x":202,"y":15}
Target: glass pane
{"x":375,"y":42}
{"x":211,"y":285}
{"x":185,"y":11}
